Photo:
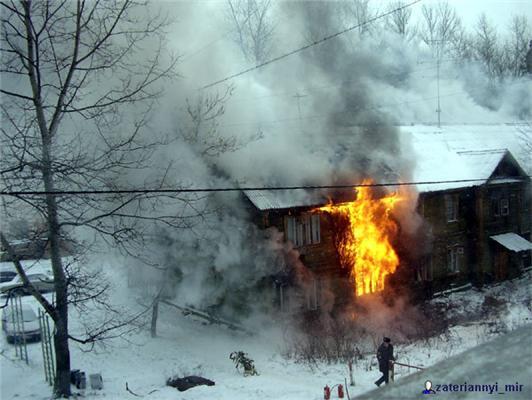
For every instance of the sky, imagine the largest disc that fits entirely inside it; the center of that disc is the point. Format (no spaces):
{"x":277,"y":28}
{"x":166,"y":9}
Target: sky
{"x":498,"y":11}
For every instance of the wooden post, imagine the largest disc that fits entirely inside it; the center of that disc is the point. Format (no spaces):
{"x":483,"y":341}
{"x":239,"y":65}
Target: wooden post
{"x":480,"y":245}
{"x":351,"y":379}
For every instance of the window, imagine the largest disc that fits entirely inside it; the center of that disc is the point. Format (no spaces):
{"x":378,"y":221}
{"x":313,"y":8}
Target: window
{"x":495,"y":207}
{"x":454,"y":259}
{"x":303,"y":230}
{"x":500,"y":206}
{"x":424,"y":273}
{"x":504,"y":206}
{"x":451,"y":207}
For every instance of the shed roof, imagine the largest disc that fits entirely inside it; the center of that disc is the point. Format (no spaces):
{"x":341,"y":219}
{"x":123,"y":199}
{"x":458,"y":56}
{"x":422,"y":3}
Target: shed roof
{"x":513,"y":242}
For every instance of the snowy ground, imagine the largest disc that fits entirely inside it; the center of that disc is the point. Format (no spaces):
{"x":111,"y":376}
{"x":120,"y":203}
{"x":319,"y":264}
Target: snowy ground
{"x":187,"y":347}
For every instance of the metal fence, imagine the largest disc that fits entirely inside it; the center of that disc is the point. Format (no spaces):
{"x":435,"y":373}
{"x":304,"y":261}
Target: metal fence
{"x":17,"y":319}
{"x":47,"y":348}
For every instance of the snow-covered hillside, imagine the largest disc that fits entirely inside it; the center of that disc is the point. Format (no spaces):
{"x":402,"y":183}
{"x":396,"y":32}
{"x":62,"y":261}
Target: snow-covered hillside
{"x":499,"y":367}
{"x":188,"y":347}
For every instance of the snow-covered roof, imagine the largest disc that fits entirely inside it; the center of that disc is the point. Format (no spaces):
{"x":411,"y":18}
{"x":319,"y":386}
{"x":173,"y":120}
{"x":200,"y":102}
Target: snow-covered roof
{"x":460,"y":169}
{"x":459,"y":155}
{"x":467,"y":137}
{"x":467,"y":155}
{"x":512,"y":242}
{"x":282,"y":199}
{"x":483,"y":162}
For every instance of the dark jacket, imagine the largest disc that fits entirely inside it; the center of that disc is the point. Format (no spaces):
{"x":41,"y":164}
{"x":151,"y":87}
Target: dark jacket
{"x":384,"y":355}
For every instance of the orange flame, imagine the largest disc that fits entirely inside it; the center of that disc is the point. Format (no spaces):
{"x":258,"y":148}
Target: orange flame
{"x":365,"y":246}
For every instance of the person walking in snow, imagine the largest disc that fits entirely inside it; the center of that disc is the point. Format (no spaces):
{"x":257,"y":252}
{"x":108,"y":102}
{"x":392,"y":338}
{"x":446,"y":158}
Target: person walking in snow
{"x":384,"y":356}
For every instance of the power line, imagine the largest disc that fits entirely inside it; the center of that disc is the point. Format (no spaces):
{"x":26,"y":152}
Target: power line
{"x":189,"y":55}
{"x":315,"y":43}
{"x":305,"y":90}
{"x":236,"y":189}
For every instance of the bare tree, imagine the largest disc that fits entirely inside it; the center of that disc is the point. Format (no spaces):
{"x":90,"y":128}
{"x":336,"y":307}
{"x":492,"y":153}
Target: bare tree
{"x":79,"y":81}
{"x":439,"y":24}
{"x":517,"y":45}
{"x":429,"y":24}
{"x":461,"y":47}
{"x":254,"y":27}
{"x":487,"y":48}
{"x":201,"y":129}
{"x":400,"y":21}
{"x":359,"y":12}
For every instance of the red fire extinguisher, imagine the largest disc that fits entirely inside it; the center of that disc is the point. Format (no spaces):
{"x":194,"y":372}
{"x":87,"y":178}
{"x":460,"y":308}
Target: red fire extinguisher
{"x":340,"y":391}
{"x":326,"y":393}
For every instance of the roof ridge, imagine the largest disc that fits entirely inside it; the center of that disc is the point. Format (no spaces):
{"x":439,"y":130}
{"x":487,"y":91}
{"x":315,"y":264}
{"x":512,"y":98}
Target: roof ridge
{"x":484,"y":151}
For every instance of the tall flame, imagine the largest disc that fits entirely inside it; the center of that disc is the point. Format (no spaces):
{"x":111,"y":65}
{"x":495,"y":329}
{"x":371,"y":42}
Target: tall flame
{"x":365,"y":246}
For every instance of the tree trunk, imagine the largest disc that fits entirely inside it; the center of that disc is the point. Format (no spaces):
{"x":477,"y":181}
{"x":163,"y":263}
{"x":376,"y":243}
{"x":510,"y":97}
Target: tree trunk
{"x":62,"y":359}
{"x":62,"y":352}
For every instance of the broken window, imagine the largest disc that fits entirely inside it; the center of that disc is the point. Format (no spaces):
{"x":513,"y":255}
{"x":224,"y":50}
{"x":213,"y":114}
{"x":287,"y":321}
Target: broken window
{"x":303,"y":230}
{"x":451,"y":207}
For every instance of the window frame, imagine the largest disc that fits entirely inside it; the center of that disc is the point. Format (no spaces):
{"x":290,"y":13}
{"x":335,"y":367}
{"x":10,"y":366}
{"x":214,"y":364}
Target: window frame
{"x":455,"y":256}
{"x":303,"y":230}
{"x":500,"y":205}
{"x":504,"y":207}
{"x":451,"y":207}
{"x":426,"y":272}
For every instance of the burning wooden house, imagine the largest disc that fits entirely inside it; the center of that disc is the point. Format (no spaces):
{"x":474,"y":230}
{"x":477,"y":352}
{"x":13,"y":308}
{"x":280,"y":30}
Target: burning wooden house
{"x":475,"y":208}
{"x":344,"y":242}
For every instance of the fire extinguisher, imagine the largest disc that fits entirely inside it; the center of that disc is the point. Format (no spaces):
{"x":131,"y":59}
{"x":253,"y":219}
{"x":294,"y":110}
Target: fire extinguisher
{"x":340,"y":391}
{"x":326,"y":392}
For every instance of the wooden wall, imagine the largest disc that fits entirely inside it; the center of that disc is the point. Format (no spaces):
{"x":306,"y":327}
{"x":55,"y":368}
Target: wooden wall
{"x":475,"y":224}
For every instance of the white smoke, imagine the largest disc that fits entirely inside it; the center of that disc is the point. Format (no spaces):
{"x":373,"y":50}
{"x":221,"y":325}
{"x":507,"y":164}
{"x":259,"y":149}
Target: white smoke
{"x":355,"y":91}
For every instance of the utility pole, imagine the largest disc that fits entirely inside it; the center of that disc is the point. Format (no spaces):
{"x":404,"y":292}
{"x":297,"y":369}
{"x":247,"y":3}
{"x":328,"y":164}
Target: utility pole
{"x":439,"y":45}
{"x":438,"y":109}
{"x":299,"y":97}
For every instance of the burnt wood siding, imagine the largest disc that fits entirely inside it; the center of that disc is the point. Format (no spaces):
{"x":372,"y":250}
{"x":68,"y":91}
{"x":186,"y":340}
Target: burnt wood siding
{"x":320,"y":257}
